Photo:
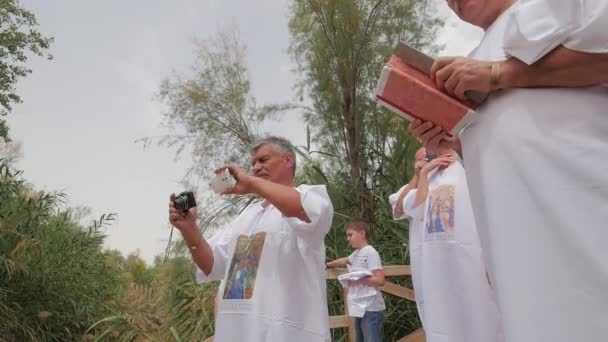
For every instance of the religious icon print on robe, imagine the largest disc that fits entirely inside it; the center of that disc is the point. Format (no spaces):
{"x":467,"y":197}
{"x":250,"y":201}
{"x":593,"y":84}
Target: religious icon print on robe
{"x":440,"y":213}
{"x":243,"y":270}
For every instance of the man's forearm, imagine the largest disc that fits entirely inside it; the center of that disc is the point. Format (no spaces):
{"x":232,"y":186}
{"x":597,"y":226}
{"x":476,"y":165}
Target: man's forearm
{"x":201,"y":252}
{"x":398,"y":211}
{"x":423,"y":189}
{"x":285,"y":198}
{"x":561,"y":67}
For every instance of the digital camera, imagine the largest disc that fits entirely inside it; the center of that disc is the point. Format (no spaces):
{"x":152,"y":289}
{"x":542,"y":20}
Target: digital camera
{"x":184,"y":201}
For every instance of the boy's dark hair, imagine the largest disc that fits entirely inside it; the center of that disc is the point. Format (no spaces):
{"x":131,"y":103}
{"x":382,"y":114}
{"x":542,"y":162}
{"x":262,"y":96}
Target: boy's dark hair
{"x":359,"y":225}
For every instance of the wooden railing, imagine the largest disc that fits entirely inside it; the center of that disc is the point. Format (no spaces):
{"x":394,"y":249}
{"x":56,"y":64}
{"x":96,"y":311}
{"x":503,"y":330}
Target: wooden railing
{"x":344,"y":321}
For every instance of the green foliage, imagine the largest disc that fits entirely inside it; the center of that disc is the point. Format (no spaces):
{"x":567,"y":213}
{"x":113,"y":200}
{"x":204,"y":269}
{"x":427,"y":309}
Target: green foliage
{"x":19,"y":36}
{"x":212,"y":112}
{"x":362,"y":151}
{"x":171,"y":307}
{"x":214,"y":104}
{"x":340,"y":47}
{"x":56,"y":284}
{"x":53,"y":276}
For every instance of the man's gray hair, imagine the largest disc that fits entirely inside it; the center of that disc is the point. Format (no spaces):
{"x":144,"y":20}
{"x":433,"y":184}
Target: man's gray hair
{"x":280,"y":144}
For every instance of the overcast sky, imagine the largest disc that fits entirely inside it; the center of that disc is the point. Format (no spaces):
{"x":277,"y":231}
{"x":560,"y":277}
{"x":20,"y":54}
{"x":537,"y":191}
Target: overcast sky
{"x":83,"y":110}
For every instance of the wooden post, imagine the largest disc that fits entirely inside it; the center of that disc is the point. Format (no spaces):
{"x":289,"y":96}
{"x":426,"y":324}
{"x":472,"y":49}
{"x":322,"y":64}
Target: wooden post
{"x":344,"y":321}
{"x":351,"y":335}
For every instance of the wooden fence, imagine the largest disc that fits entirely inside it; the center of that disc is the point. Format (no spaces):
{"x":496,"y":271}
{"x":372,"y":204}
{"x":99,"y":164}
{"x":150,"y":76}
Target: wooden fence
{"x":391,"y":288}
{"x":344,"y":321}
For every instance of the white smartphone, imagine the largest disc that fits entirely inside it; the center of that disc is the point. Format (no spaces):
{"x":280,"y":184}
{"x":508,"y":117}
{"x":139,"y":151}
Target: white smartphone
{"x":222,"y":182}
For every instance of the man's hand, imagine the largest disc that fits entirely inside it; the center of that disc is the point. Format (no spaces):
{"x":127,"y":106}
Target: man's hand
{"x":243,"y":184}
{"x":439,"y":162}
{"x":182,"y":220}
{"x":431,"y":136}
{"x":456,"y":75}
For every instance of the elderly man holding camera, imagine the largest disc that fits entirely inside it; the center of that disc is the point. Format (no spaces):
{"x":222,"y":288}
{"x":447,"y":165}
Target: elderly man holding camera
{"x":271,"y":257}
{"x":537,"y":160}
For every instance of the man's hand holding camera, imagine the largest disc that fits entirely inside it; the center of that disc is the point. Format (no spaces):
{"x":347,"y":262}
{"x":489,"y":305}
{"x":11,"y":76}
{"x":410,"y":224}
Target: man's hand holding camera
{"x":183,"y":220}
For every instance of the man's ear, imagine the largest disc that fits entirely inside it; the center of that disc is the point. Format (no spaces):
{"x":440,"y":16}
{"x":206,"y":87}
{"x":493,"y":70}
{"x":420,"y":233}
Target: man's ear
{"x":289,"y":159}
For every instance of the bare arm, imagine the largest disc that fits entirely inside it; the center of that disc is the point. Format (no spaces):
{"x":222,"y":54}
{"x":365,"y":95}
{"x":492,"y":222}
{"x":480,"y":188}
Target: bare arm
{"x":376,"y":280}
{"x":285,"y":198}
{"x":423,"y":189}
{"x":201,"y":252}
{"x":561,"y":67}
{"x":342,"y":262}
{"x":185,"y":222}
{"x":423,"y":178}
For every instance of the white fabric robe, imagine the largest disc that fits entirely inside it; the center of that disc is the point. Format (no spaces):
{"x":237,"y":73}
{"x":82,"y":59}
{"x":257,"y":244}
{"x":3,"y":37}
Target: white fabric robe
{"x":537,"y":168}
{"x":454,"y":298}
{"x":273,"y":272}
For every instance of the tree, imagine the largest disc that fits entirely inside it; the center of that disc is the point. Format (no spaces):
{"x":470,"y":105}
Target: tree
{"x":212,"y":112}
{"x":362,"y":151}
{"x":19,"y":36}
{"x":10,"y":151}
{"x":221,"y":119}
{"x":340,"y":47}
{"x":138,"y":270}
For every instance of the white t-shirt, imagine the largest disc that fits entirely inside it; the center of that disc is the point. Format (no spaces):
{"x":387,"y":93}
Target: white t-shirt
{"x":367,"y":259}
{"x":537,"y":169}
{"x":457,"y":300}
{"x":273,"y":269}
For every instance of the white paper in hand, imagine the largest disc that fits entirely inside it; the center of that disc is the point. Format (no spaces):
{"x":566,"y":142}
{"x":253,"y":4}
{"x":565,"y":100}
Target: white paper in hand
{"x":354,"y":275}
{"x":359,"y":296}
{"x":222,"y":182}
{"x":357,"y":291}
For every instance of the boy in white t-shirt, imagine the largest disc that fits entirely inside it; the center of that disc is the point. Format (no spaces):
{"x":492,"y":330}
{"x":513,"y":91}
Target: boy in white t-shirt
{"x":365,"y":258}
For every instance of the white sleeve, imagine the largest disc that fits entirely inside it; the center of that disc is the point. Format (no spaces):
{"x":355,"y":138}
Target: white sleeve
{"x":393,"y":199}
{"x":591,"y":34}
{"x":535,"y":27}
{"x":317,"y":205}
{"x":350,"y":258}
{"x":373,"y":260}
{"x":408,"y":206}
{"x":220,"y":243}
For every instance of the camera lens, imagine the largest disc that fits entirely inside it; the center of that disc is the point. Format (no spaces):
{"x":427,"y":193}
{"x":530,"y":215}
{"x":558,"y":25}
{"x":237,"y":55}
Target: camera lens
{"x":184,"y":201}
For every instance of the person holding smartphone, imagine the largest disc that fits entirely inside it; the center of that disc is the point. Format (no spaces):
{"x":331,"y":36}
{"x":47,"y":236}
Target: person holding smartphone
{"x":454,"y":297}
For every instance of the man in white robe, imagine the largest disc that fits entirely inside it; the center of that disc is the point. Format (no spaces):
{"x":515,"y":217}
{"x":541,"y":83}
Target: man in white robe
{"x":537,"y":160}
{"x":271,"y":258}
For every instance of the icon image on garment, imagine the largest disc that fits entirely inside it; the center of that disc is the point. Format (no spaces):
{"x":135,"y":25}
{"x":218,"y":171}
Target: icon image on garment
{"x":240,"y":281}
{"x":440,"y":213}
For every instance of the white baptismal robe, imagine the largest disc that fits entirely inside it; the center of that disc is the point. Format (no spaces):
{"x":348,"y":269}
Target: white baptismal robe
{"x":537,"y":169}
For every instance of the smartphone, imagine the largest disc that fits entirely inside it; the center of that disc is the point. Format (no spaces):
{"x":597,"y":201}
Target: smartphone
{"x":222,"y":182}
